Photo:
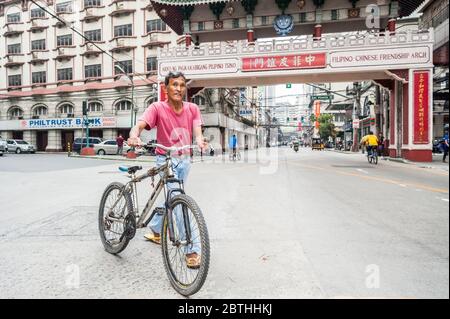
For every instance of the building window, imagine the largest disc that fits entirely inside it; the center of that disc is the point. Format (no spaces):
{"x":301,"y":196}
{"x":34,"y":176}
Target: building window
{"x":123,"y":30}
{"x":152,"y":63}
{"x":13,"y":18}
{"x":40,"y":111}
{"x":92,"y":3}
{"x":126,"y":66}
{"x":95,"y":107}
{"x":14,"y":48}
{"x":65,"y":7}
{"x":123,"y":106}
{"x":15,"y":113}
{"x":199,"y":100}
{"x":64,"y":74}
{"x":302,"y":17}
{"x":93,"y":71}
{"x":38,"y":45}
{"x":15,"y":80}
{"x":264,"y":20}
{"x":94,"y":35}
{"x":66,"y":109}
{"x":38,"y":77}
{"x":201,"y":26}
{"x":156,"y":25}
{"x":235,"y":23}
{"x":334,"y":14}
{"x":37,"y":13}
{"x":63,"y":40}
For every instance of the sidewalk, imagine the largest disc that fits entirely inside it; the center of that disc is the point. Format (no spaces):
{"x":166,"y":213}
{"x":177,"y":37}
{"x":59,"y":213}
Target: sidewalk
{"x":435,"y":164}
{"x":142,"y":158}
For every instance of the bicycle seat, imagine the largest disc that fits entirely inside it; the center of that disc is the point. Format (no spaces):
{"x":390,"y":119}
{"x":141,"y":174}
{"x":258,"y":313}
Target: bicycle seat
{"x":130,"y":169}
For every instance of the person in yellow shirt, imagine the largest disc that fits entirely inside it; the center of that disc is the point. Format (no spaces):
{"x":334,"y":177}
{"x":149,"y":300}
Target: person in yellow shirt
{"x":370,"y":141}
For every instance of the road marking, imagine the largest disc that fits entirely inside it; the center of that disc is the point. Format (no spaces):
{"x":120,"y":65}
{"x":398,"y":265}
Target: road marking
{"x":379,"y":179}
{"x":445,"y":199}
{"x":402,"y":185}
{"x":362,"y":171}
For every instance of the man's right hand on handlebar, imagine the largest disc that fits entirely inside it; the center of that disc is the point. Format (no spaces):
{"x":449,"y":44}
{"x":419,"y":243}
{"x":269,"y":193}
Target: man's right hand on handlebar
{"x":134,"y":142}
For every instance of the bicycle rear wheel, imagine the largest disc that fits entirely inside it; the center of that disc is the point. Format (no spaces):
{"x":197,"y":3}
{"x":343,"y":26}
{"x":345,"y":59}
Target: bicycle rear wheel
{"x":115,"y":222}
{"x":186,"y":281}
{"x":375,"y":158}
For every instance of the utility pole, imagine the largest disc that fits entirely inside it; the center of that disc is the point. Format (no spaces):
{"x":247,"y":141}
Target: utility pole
{"x":356,"y":113}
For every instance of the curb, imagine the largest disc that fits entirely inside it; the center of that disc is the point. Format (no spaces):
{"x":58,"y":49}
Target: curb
{"x":124,"y":159}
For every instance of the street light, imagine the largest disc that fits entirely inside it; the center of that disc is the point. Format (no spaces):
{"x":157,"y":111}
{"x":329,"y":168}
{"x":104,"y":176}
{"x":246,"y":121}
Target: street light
{"x":130,"y":77}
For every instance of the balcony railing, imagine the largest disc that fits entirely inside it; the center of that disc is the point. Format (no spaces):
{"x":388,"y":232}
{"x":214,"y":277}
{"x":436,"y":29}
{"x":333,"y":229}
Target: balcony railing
{"x":13,"y":61}
{"x":91,"y":14}
{"x":38,"y":57}
{"x":14,"y":29}
{"x":156,"y":39}
{"x":123,"y":43}
{"x":122,"y":8}
{"x":66,"y":53}
{"x":91,"y":49}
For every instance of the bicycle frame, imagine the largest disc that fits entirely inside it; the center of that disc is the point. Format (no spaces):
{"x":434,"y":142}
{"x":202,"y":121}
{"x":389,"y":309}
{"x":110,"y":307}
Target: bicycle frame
{"x":167,"y":176}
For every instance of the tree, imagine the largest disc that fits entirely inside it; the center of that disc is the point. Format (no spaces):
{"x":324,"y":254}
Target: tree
{"x":327,"y":127}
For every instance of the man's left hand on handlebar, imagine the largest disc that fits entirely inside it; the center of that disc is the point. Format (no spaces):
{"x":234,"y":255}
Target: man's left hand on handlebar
{"x":202,"y":143}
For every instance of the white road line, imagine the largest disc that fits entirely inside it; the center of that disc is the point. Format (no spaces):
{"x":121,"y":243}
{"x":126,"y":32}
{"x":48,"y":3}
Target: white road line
{"x":402,"y":185}
{"x":362,"y":171}
{"x":445,"y":199}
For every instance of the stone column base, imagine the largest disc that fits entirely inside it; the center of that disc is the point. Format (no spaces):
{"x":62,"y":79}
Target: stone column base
{"x":418,"y":155}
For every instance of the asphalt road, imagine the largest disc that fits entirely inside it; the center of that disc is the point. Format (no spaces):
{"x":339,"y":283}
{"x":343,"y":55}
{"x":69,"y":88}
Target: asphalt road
{"x":281,"y":225}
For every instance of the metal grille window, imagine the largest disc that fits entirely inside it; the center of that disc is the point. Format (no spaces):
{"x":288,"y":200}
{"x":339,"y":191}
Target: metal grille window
{"x":264,"y":20}
{"x":64,"y":74}
{"x":66,"y":109}
{"x":302,"y":17}
{"x":37,"y":13}
{"x":152,"y":63}
{"x":123,"y":106}
{"x":93,"y":71}
{"x":40,"y":110}
{"x":14,"y":48}
{"x":38,"y":77}
{"x":95,"y":107}
{"x":199,"y":100}
{"x":126,"y":66}
{"x":15,"y":80}
{"x":235,"y":23}
{"x":92,"y":3}
{"x":334,"y":14}
{"x":94,"y":35}
{"x":156,"y":25}
{"x":201,"y":26}
{"x":13,"y":17}
{"x":38,"y":45}
{"x":123,"y":30}
{"x":65,"y":7}
{"x":15,"y":113}
{"x":64,"y":40}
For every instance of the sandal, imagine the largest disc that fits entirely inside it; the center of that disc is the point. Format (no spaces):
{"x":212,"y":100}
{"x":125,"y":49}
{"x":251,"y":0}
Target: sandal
{"x":193,"y":261}
{"x":154,"y":238}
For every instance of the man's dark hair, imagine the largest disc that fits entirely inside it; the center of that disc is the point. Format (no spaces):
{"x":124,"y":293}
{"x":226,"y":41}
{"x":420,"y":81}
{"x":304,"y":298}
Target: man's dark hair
{"x":371,"y":133}
{"x":174,"y":75}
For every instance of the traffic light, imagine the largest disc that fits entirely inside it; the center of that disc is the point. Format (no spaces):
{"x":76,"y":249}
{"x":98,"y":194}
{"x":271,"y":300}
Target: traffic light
{"x":85,"y":110}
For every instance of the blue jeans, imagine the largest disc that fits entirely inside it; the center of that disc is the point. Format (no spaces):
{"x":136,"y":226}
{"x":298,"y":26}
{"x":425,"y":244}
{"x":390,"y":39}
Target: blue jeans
{"x":181,"y":169}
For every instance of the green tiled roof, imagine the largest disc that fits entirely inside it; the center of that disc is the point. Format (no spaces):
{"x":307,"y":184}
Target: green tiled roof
{"x":188,"y":2}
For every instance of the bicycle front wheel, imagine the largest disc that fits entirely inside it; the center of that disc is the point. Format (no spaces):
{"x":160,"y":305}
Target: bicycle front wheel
{"x":115,"y":211}
{"x":375,"y":158}
{"x":185,"y":213}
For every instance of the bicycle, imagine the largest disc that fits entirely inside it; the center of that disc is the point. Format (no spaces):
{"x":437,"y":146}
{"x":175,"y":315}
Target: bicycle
{"x":184,"y":227}
{"x":372,"y":156}
{"x":235,"y":155}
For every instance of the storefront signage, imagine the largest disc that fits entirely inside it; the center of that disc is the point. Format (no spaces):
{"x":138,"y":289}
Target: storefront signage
{"x":284,"y":62}
{"x":199,"y":67}
{"x":66,"y":123}
{"x":378,"y":57}
{"x":421,"y":107}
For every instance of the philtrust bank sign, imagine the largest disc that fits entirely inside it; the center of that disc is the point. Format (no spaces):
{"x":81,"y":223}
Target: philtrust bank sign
{"x":67,"y":123}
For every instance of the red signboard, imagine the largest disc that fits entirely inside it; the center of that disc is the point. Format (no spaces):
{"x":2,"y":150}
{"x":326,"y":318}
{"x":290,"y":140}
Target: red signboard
{"x":285,"y":62}
{"x":421,"y":107}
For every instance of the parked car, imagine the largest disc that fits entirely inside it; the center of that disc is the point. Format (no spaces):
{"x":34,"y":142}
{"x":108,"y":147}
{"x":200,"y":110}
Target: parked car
{"x":79,"y":143}
{"x":20,"y":146}
{"x":3,"y":146}
{"x":109,"y":147}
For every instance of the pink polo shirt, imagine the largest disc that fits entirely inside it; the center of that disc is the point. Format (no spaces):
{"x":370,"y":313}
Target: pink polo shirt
{"x":172,"y":129}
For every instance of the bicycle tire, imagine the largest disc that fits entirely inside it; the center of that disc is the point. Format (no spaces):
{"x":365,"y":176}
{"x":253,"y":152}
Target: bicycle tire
{"x":113,"y":249}
{"x":202,"y":272}
{"x":369,"y":158}
{"x":238,"y":156}
{"x":375,"y":159}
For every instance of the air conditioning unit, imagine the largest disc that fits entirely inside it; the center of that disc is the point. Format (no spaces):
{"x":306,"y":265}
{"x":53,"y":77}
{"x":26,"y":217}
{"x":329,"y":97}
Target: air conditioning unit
{"x":70,"y":115}
{"x":34,"y":23}
{"x":34,"y":55}
{"x":35,"y":117}
{"x":120,"y":6}
{"x":10,"y":58}
{"x":120,"y":42}
{"x":60,"y":51}
{"x":90,"y":47}
{"x":89,"y":12}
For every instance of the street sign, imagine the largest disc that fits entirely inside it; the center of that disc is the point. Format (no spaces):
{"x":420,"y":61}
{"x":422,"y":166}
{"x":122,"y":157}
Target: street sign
{"x":323,"y":97}
{"x":355,"y":123}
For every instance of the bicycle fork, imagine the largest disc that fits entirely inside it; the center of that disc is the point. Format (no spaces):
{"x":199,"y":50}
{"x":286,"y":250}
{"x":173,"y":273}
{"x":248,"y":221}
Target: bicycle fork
{"x":185,"y":215}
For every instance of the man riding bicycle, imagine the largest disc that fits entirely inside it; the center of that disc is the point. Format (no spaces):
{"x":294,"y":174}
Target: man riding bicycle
{"x":233,"y":144}
{"x":370,"y":141}
{"x":175,"y":121}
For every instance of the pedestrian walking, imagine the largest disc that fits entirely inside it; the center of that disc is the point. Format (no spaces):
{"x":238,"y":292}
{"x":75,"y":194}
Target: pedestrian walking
{"x":119,"y":141}
{"x":444,"y":147}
